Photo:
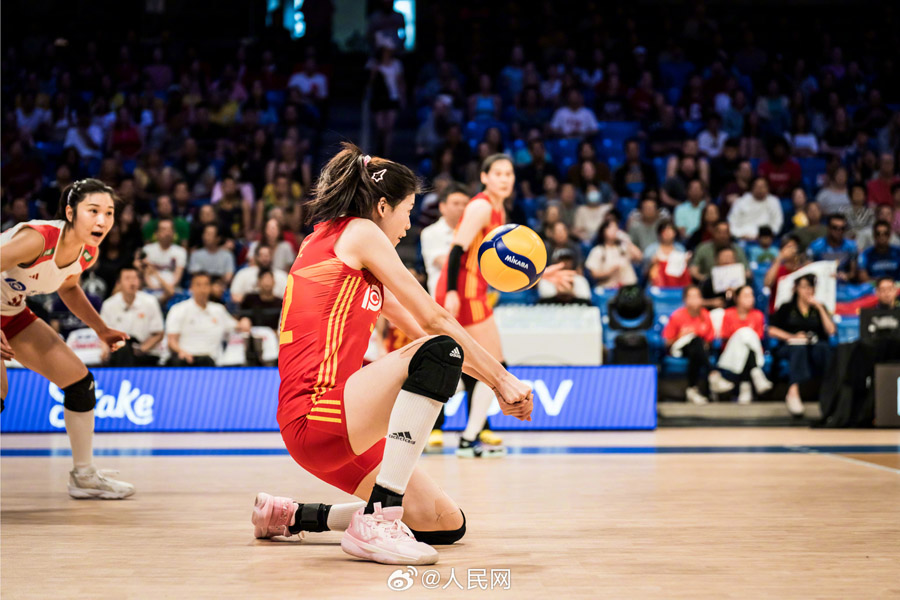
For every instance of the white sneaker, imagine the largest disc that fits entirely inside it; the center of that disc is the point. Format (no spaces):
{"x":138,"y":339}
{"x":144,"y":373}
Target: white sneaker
{"x":694,"y":396}
{"x":760,"y":381}
{"x":794,"y":404}
{"x":718,"y":384}
{"x":745,"y":393}
{"x":94,"y":483}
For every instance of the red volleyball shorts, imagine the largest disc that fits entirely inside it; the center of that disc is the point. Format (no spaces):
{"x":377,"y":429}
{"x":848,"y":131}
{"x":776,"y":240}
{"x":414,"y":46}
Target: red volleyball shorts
{"x":12,"y":325}
{"x":319,"y":443}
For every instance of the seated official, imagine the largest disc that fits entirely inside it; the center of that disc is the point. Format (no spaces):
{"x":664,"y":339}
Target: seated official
{"x":138,"y":314}
{"x":197,"y":329}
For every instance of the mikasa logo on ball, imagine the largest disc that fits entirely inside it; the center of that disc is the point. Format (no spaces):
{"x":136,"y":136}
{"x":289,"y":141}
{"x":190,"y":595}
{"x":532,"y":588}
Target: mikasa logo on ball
{"x":518,"y":263}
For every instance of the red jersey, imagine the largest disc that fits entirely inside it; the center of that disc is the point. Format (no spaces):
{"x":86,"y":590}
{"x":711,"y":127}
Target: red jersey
{"x":701,"y":324}
{"x":328,"y":315}
{"x":470,"y":283}
{"x":731,"y":322}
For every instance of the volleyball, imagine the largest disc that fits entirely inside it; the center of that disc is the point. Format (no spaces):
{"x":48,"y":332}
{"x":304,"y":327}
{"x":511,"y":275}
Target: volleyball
{"x":512,"y":258}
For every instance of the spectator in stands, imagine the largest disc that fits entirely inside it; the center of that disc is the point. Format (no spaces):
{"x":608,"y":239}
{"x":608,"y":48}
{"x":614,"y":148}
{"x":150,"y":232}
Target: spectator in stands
{"x":882,"y":259}
{"x":283,"y":252}
{"x":530,"y":113}
{"x":886,"y":292}
{"x":711,"y":140}
{"x":879,"y":188}
{"x":137,"y":313}
{"x":838,"y":137}
{"x":725,"y":298}
{"x":722,"y":168}
{"x":705,"y":254}
{"x":573,"y":290}
{"x":834,"y":196}
{"x":634,"y":176}
{"x":674,"y":189}
{"x":561,"y":239}
{"x":799,"y":202}
{"x":533,"y":174}
{"x":165,"y":210}
{"x":708,"y":219}
{"x":197,"y":328}
{"x":689,"y":149}
{"x":765,"y":251}
{"x":574,"y":120}
{"x":733,"y":118}
{"x":262,"y":308}
{"x":666,"y":261}
{"x":590,"y":215}
{"x":804,"y":326}
{"x":212,"y":258}
{"x":435,"y":240}
{"x":568,"y":204}
{"x":162,"y":263}
{"x":588,"y":154}
{"x":642,"y":227}
{"x":484,"y":104}
{"x":85,"y":137}
{"x":388,"y":94}
{"x":232,"y":211}
{"x":17,"y":213}
{"x":755,"y":209}
{"x":801,"y":139}
{"x":245,"y":280}
{"x":609,"y":261}
{"x":782,"y":172}
{"x":860,"y":216}
{"x":688,"y":334}
{"x":740,"y":185}
{"x":742,"y":358}
{"x":835,"y":246}
{"x":865,"y":238}
{"x":666,"y":136}
{"x":310,"y":83}
{"x":688,"y":214}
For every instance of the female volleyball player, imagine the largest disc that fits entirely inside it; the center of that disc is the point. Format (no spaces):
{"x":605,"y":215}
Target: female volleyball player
{"x":363,"y":429}
{"x":463,"y":292}
{"x":41,"y":257}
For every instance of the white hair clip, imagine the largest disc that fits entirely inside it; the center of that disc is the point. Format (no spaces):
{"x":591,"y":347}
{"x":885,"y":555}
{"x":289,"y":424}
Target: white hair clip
{"x":366,"y":160}
{"x":378,"y":175}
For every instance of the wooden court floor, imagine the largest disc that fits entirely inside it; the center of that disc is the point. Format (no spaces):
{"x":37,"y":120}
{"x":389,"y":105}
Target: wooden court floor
{"x":676,"y":513}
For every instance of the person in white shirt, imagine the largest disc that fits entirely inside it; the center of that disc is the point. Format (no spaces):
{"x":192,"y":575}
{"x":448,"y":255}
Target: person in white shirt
{"x":755,"y":209}
{"x":212,"y":258}
{"x":162,"y":262}
{"x":246,"y":280}
{"x":85,"y":137}
{"x":138,"y":314}
{"x":197,"y":329}
{"x":309,"y":82}
{"x":711,"y":140}
{"x":437,"y":238}
{"x":574,"y":119}
{"x":574,"y":290}
{"x":30,"y":117}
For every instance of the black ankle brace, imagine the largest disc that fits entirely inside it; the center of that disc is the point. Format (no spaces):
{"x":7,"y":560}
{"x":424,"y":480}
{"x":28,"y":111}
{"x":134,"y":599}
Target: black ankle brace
{"x":386,"y":497}
{"x":311,"y":517}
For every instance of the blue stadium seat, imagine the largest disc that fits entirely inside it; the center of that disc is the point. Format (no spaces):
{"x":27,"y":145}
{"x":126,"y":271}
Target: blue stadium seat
{"x":665,"y":300}
{"x":847,"y":328}
{"x":529,"y":296}
{"x":625,"y":205}
{"x":129,"y":166}
{"x":618,"y":131}
{"x":563,"y":151}
{"x":600,"y":298}
{"x":659,"y":163}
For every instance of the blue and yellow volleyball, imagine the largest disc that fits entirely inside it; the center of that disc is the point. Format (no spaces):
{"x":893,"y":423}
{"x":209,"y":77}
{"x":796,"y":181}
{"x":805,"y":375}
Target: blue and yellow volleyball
{"x":512,"y":258}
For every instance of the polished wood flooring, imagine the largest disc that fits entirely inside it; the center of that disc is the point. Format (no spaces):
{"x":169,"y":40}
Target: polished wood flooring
{"x":675,"y":513}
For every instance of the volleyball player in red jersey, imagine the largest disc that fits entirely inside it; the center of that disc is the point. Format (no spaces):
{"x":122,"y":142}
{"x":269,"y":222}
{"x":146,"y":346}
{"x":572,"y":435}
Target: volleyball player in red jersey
{"x":362,"y":429}
{"x":42,"y":257}
{"x":463,"y":292}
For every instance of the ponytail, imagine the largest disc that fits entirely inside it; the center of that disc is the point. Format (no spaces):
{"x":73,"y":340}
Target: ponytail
{"x":351,"y":184}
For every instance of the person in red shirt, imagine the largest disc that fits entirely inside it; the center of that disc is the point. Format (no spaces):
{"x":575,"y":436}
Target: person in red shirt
{"x":742,"y":359}
{"x":781,"y":171}
{"x":363,"y":429}
{"x":879,"y":187}
{"x":688,"y":333}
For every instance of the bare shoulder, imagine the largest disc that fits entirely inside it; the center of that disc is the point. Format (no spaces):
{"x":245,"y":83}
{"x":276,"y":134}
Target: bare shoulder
{"x":357,"y":241}
{"x":25,"y":246}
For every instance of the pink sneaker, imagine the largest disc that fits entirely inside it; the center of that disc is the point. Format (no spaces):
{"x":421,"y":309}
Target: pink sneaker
{"x":272,"y":516}
{"x":383,"y":538}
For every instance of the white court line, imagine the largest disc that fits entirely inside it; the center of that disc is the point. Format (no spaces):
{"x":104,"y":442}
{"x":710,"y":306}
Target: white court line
{"x":855,"y":461}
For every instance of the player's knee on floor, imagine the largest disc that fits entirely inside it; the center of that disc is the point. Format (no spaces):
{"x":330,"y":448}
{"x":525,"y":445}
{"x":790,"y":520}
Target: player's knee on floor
{"x":438,"y":538}
{"x":80,"y":396}
{"x":435,"y":368}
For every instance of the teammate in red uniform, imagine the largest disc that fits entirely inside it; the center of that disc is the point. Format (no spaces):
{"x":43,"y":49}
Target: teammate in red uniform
{"x":41,"y":257}
{"x":363,"y":429}
{"x":463,"y":292}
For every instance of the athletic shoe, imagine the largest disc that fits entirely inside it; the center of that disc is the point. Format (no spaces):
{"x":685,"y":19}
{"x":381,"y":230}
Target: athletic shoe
{"x":272,"y":516}
{"x":745,"y":395}
{"x":490,"y":438}
{"x":794,"y":404}
{"x":760,"y":381}
{"x":477,"y":449}
{"x":694,"y":396}
{"x":94,"y":483}
{"x":383,"y":538}
{"x":718,"y":384}
{"x":436,"y":439}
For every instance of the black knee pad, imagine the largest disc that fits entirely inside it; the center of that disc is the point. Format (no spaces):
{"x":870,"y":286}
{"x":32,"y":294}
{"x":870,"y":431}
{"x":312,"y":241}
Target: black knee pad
{"x":435,"y":369}
{"x":80,"y":397}
{"x":2,"y":404}
{"x":441,"y":537}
